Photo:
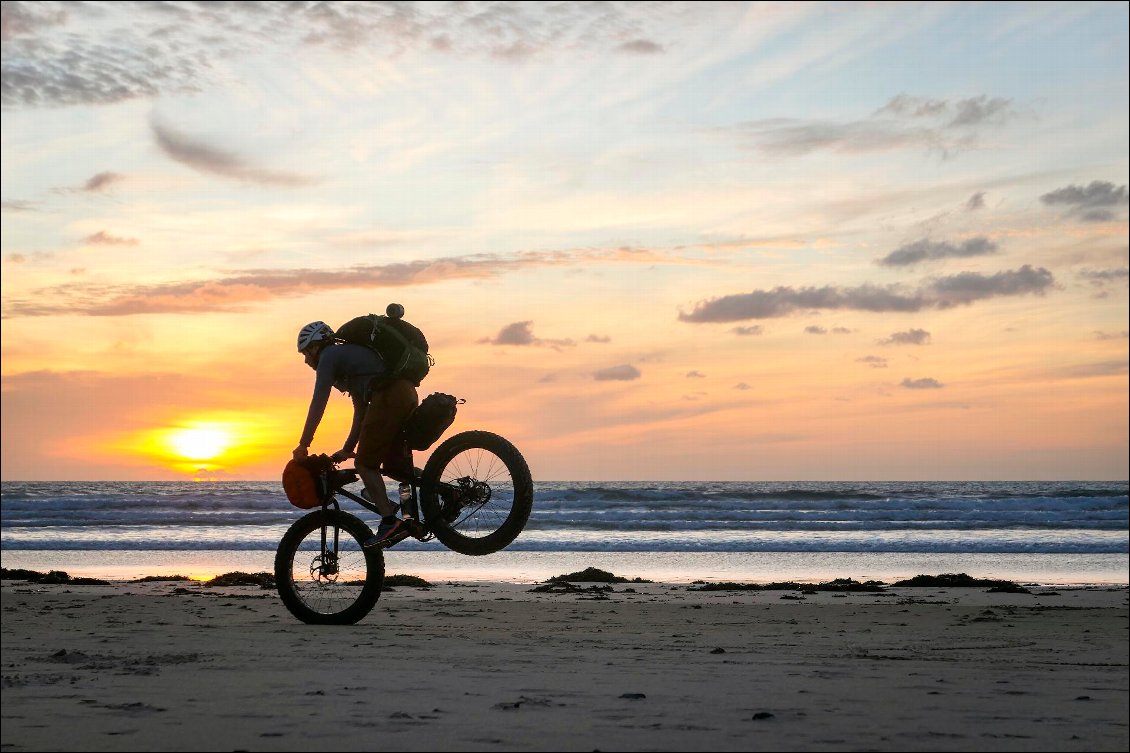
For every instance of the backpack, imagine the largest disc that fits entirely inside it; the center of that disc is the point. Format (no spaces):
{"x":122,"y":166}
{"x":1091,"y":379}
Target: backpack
{"x":402,"y":347}
{"x":430,"y":420}
{"x":304,"y":481}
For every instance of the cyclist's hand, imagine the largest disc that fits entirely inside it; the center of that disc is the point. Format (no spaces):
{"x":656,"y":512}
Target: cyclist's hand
{"x":341,"y":455}
{"x":300,"y":452}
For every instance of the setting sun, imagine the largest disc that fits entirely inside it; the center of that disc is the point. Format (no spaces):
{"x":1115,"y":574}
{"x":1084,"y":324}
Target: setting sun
{"x":203,"y":443}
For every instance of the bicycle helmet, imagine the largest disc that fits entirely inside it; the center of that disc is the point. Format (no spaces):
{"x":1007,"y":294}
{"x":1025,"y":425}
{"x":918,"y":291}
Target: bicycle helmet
{"x":312,"y":333}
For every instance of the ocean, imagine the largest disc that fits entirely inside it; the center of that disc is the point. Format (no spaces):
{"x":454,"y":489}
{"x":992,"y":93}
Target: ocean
{"x":1049,"y":532}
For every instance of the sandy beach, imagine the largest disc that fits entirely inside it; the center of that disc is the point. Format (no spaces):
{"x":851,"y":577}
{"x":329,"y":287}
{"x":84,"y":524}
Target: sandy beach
{"x":477,"y":666}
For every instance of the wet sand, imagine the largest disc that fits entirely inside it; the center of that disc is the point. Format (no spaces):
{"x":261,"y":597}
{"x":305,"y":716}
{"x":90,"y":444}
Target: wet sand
{"x":174,"y":666}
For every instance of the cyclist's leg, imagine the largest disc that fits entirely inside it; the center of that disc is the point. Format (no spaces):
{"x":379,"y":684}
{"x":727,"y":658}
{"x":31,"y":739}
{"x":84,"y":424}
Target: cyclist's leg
{"x":380,"y":436}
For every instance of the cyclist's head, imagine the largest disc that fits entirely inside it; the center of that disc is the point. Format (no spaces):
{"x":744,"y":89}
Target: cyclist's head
{"x":313,"y":337}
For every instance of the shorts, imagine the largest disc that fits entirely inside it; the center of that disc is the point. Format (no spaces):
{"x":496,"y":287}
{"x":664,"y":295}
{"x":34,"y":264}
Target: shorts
{"x":381,"y":443}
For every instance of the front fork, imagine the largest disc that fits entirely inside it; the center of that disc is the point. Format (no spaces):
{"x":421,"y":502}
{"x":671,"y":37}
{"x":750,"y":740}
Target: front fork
{"x":329,"y":565}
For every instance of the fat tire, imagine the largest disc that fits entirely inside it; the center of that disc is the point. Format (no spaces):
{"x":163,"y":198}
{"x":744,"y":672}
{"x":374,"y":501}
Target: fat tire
{"x":284,"y":559}
{"x":519,"y":511}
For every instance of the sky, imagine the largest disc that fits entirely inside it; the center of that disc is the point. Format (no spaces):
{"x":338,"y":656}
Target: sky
{"x":646,"y":241}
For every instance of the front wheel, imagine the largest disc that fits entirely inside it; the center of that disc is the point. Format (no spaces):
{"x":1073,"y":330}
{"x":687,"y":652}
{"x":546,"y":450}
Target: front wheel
{"x":477,"y":492}
{"x":323,"y":574}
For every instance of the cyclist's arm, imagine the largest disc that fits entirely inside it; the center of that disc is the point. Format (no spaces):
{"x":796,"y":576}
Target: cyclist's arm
{"x":323,"y":383}
{"x":359,"y":409}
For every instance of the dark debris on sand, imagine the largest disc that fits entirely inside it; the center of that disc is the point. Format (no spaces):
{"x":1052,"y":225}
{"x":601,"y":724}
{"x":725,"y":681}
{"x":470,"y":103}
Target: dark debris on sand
{"x":961,"y":580}
{"x":564,"y":587}
{"x":839,"y":584}
{"x":162,"y":579}
{"x":262,"y":580}
{"x":392,"y":581}
{"x":52,"y":577}
{"x":594,"y":575}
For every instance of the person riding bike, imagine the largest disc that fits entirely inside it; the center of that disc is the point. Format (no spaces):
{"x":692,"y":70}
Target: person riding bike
{"x":380,"y":407}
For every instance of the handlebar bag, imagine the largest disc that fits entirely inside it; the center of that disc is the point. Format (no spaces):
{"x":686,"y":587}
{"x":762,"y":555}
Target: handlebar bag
{"x":304,"y":481}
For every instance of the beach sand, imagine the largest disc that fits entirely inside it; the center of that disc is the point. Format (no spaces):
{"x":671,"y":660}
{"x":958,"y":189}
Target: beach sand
{"x":175,"y":666}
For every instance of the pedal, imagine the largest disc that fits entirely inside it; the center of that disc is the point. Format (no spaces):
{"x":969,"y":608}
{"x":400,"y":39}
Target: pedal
{"x":415,"y":528}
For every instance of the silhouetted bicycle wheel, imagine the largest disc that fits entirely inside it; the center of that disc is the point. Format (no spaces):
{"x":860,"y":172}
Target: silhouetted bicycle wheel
{"x":323,"y":574}
{"x":477,"y":492}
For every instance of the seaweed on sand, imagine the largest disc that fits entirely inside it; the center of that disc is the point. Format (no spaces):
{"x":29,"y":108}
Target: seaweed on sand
{"x":961,"y":580}
{"x":262,"y":580}
{"x":593,"y":575}
{"x":52,"y":577}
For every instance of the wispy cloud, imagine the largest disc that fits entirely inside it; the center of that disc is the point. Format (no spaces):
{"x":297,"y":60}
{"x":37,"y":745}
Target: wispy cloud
{"x":64,"y":54}
{"x":622,"y":373}
{"x":521,"y":333}
{"x":904,"y":122}
{"x":926,"y":383}
{"x":102,"y":238}
{"x":939,"y":293}
{"x":209,"y":159}
{"x":927,"y":250}
{"x":15,"y":205}
{"x":236,"y":292}
{"x":875,"y":362}
{"x":101,"y":181}
{"x":1090,"y":203}
{"x":976,"y":201}
{"x":909,"y":337}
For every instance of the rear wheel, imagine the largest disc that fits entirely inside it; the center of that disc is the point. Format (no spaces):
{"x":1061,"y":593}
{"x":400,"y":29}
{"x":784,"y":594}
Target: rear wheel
{"x":477,"y":492}
{"x":323,"y":574}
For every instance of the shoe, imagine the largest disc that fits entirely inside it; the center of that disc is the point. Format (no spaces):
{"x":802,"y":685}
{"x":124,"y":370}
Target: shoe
{"x":388,"y":534}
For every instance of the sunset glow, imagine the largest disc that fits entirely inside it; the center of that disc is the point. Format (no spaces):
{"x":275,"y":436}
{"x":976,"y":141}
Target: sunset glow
{"x":645,"y":241}
{"x":200,"y":443}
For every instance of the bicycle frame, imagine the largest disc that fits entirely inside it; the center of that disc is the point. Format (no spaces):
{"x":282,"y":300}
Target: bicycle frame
{"x":338,"y":478}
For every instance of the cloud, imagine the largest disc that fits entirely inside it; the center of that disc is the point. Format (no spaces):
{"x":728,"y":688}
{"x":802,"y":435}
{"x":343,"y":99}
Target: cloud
{"x":103,"y":238}
{"x":624,"y":373}
{"x":641,"y":47}
{"x":1091,"y":203}
{"x":520,"y":333}
{"x":982,"y":109}
{"x":241,"y":289}
{"x":95,"y":54}
{"x":976,"y":201}
{"x":904,"y":122}
{"x":815,"y":329}
{"x":21,"y":18}
{"x":19,"y":258}
{"x":742,"y":386}
{"x":1124,"y":334}
{"x":208,"y":159}
{"x":101,"y":180}
{"x":18,"y":206}
{"x":875,"y":362}
{"x":910,"y":337}
{"x":924,"y":250}
{"x":598,"y":339}
{"x":927,"y":383}
{"x":966,"y":287}
{"x":939,"y":293}
{"x":755,"y":329}
{"x":1102,"y":276}
{"x":695,"y":375}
